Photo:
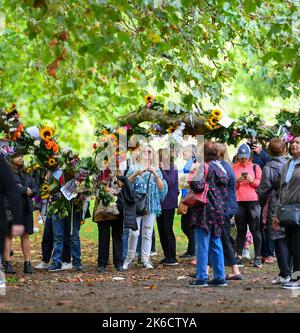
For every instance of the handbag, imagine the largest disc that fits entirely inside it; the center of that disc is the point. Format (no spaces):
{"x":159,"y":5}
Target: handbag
{"x":289,"y":215}
{"x":142,"y":201}
{"x":194,"y":199}
{"x":182,"y":208}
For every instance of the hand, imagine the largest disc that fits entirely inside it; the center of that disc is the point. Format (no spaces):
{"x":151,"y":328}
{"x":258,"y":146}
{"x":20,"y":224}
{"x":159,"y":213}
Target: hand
{"x":250,"y":179}
{"x":160,"y":165}
{"x":17,"y":230}
{"x":257,"y":148}
{"x":240,"y":179}
{"x":138,"y":173}
{"x":275,"y":223}
{"x":152,"y":170}
{"x":29,"y":192}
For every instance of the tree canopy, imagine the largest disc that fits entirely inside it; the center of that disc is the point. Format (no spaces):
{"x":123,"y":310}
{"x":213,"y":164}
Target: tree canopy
{"x":59,"y":58}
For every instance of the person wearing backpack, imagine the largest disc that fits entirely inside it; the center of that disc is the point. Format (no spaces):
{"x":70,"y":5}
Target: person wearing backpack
{"x":248,"y":176}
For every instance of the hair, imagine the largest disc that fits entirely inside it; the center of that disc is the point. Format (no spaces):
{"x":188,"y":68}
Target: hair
{"x":164,"y":154}
{"x":223,"y":152}
{"x":192,"y":149}
{"x":276,"y":147}
{"x":210,"y":151}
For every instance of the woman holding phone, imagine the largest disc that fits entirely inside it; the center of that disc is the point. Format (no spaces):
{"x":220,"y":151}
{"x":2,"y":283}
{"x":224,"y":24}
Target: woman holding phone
{"x":146,"y":178}
{"x":248,"y":176}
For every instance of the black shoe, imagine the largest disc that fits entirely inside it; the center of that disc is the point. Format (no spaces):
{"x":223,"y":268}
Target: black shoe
{"x":8,"y":268}
{"x":27,"y":267}
{"x":120,"y":268}
{"x":139,"y":261}
{"x":198,"y":283}
{"x":170,"y":262}
{"x":186,"y":256}
{"x":78,"y":268}
{"x":193,"y":275}
{"x":11,"y":253}
{"x":257,"y":262}
{"x":163,"y":261}
{"x":217,"y":283}
{"x":101,"y":269}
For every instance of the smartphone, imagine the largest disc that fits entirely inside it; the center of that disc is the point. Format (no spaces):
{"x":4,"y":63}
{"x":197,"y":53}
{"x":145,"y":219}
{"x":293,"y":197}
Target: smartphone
{"x":244,"y":174}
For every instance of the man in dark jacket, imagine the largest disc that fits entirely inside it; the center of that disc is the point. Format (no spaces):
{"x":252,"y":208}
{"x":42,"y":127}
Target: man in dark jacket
{"x":9,"y":190}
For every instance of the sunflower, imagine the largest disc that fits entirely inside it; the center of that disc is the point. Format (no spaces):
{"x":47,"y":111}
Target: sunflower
{"x":51,"y":161}
{"x":213,"y":121}
{"x":46,"y":196}
{"x":29,"y":170}
{"x":217,"y":113}
{"x":209,"y":126}
{"x":46,"y":132}
{"x":149,"y":98}
{"x":45,"y":188}
{"x":36,"y":166}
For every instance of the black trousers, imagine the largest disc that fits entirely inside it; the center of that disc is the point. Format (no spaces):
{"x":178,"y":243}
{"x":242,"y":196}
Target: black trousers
{"x":166,"y":234}
{"x":248,"y":213}
{"x":104,"y":228}
{"x":283,"y":257}
{"x":293,"y":243}
{"x":47,"y":243}
{"x":229,"y":254}
{"x":189,"y":232}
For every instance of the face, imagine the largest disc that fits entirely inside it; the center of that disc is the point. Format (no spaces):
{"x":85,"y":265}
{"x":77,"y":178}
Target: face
{"x":147,"y":154}
{"x":295,"y":147}
{"x":18,"y":161}
{"x":187,"y":154}
{"x":244,"y":160}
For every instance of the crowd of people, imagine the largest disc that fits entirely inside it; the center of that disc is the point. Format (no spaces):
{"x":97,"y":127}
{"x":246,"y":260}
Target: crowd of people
{"x":215,"y":195}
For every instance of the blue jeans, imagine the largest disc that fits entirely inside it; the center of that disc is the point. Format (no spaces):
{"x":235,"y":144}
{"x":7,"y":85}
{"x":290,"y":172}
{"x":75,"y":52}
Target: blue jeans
{"x":207,"y":245}
{"x":62,"y":227}
{"x":125,"y":242}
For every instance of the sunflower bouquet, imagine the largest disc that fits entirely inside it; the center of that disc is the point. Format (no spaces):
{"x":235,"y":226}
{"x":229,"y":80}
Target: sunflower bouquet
{"x":10,"y":123}
{"x":47,"y":148}
{"x":212,"y":119}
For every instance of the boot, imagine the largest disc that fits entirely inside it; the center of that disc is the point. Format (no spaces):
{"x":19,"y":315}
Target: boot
{"x":27,"y":267}
{"x":8,"y":268}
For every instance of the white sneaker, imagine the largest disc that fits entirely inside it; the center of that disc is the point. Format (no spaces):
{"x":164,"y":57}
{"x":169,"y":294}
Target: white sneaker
{"x":281,"y":280}
{"x":127,"y":263}
{"x":153,"y":253}
{"x":41,"y":221}
{"x":42,"y":265}
{"x":66,"y":266}
{"x":35,"y":229}
{"x":148,"y":264}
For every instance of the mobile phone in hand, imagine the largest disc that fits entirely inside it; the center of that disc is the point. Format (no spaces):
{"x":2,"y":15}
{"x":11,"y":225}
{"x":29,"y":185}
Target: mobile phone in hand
{"x":244,"y":174}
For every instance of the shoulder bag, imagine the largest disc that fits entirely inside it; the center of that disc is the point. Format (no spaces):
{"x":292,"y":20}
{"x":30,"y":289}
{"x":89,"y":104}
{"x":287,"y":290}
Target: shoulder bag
{"x":142,"y":201}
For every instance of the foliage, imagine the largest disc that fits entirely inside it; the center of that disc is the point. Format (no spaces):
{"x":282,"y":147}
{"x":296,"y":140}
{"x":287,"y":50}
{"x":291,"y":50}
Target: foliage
{"x":60,"y":57}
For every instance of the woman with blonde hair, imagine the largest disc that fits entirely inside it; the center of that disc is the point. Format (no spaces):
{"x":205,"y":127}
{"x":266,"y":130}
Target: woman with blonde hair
{"x":146,"y":178}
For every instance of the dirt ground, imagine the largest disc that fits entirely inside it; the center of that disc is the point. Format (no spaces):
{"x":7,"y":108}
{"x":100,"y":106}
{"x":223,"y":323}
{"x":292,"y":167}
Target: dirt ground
{"x":163,"y":289}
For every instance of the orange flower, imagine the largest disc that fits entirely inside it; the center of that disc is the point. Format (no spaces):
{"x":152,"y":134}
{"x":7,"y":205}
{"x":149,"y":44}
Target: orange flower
{"x":55,"y":148}
{"x":49,"y":145}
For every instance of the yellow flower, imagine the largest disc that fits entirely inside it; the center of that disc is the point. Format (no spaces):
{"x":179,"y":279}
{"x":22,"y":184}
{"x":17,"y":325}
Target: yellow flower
{"x":29,"y":170}
{"x":208,"y":126}
{"x":46,"y":132}
{"x":11,"y":108}
{"x":46,"y":196}
{"x":36,"y":166}
{"x":51,"y":161}
{"x":213,"y":121}
{"x":217,"y":113}
{"x":45,"y":188}
{"x":149,"y":98}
